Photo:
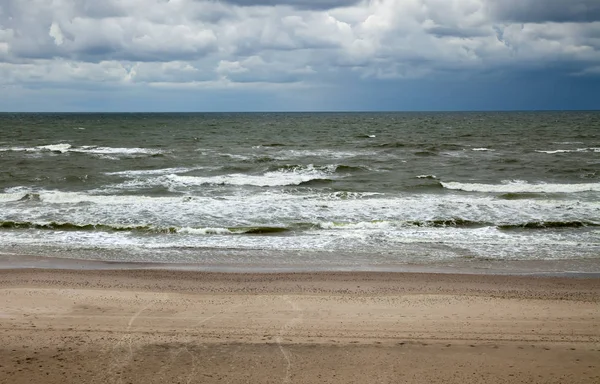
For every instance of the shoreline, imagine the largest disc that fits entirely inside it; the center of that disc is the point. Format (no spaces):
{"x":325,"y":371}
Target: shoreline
{"x":586,"y":268}
{"x":155,"y":326}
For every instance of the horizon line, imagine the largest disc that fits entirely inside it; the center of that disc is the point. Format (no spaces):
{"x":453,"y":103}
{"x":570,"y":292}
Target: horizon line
{"x":311,"y":111}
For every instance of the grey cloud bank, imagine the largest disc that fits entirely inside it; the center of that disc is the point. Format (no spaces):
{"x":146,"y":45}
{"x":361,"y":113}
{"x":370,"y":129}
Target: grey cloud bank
{"x":296,"y":55}
{"x":546,"y":10}
{"x":306,"y":4}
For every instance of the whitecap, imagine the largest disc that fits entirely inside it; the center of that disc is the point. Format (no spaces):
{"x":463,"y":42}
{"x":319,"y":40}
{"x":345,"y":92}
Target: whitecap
{"x":591,"y":149}
{"x":204,"y":231}
{"x":116,"y":151}
{"x":237,"y":157}
{"x":142,"y":172}
{"x":15,"y":193}
{"x":284,"y":177}
{"x":383,"y":224}
{"x":268,"y":179}
{"x":321,"y":153}
{"x":62,"y":148}
{"x":523,"y":187}
{"x":14,"y":196}
{"x":556,"y":151}
{"x":19,"y":149}
{"x":91,"y":149}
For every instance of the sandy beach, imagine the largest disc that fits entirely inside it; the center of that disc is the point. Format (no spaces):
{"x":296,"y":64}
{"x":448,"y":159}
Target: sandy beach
{"x":149,"y":326}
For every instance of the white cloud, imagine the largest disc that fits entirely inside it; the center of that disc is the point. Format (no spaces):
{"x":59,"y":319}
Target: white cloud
{"x":56,"y":33}
{"x":226,"y":67}
{"x":129,"y":42}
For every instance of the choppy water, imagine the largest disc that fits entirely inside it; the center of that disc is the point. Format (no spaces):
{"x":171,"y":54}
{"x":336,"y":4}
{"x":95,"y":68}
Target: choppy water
{"x":337,"y":191}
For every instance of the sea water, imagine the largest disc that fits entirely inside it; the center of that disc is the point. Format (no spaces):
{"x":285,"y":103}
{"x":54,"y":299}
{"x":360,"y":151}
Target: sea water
{"x":297,"y":191}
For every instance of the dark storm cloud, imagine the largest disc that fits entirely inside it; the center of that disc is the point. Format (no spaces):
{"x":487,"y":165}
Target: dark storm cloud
{"x":303,"y":4}
{"x":539,"y":11}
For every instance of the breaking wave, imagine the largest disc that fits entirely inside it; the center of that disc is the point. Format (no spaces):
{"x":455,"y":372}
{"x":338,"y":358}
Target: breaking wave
{"x":291,"y":175}
{"x":522,"y":187}
{"x":455,"y":223}
{"x":550,"y":224}
{"x":550,"y":152}
{"x":91,"y":149}
{"x":150,"y":172}
{"x":65,"y":226}
{"x":268,"y":230}
{"x":380,"y":224}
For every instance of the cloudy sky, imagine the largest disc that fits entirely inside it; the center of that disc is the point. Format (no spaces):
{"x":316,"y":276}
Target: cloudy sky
{"x":274,"y":55}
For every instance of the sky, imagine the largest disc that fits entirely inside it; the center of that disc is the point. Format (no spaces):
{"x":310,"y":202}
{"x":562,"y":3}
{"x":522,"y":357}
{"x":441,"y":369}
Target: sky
{"x":299,"y":55}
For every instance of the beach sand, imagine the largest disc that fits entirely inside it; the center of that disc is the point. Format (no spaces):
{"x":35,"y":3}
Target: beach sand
{"x":150,"y":326}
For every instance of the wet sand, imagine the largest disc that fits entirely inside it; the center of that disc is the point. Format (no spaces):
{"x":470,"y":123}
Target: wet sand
{"x":128,"y":326}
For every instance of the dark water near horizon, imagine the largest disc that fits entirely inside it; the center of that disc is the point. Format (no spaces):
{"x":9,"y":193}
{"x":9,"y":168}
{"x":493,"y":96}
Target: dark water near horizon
{"x":303,"y":190}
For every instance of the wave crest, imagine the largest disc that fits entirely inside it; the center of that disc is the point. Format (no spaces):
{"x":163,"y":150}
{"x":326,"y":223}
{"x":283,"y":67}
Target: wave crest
{"x":522,"y":187}
{"x":549,"y":224}
{"x":281,"y":176}
{"x":65,"y":226}
{"x":89,"y":149}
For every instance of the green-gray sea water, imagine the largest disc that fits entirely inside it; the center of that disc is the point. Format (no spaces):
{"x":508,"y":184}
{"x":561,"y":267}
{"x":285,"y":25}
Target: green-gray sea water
{"x":303,"y":190}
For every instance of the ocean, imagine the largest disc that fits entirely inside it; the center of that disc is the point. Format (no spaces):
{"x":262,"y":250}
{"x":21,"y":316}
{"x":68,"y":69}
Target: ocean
{"x":517,"y":192}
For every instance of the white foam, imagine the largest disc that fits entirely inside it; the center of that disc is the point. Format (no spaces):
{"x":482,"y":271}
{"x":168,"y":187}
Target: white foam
{"x":383,"y":224}
{"x":523,"y":187}
{"x":116,"y":151}
{"x":370,"y":223}
{"x":15,"y":193}
{"x":321,"y":153}
{"x":294,"y":176}
{"x":427,"y":177}
{"x":62,"y":148}
{"x":205,"y":231}
{"x":352,"y":249}
{"x":269,"y":179}
{"x":142,"y":172}
{"x":482,"y":149}
{"x":556,"y":151}
{"x":58,"y":197}
{"x":65,"y":148}
{"x":250,"y":209}
{"x":14,"y":196}
{"x":279,"y":209}
{"x":349,"y":195}
{"x":591,"y":149}
{"x":18,"y":149}
{"x":237,"y":157}
{"x":459,"y":153}
{"x":71,"y":198}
